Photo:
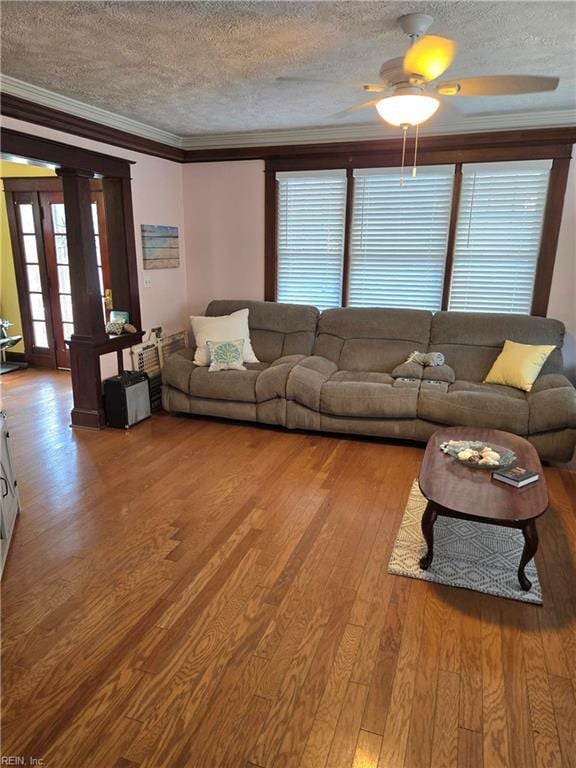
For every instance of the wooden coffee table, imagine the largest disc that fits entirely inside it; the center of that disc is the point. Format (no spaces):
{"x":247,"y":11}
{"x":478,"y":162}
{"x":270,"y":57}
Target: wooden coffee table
{"x":455,"y":490}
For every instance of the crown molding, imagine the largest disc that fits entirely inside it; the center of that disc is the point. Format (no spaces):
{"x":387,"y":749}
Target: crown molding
{"x":31,"y":103}
{"x":370,"y":132}
{"x":52,"y":100}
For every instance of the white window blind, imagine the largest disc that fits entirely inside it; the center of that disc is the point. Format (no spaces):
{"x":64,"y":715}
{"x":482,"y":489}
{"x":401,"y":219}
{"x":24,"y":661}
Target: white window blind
{"x":498,"y":236}
{"x":311,"y":215}
{"x":399,"y":237}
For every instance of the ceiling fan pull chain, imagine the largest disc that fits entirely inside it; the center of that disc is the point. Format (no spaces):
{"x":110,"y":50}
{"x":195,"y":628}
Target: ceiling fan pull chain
{"x":415,"y":151}
{"x":405,"y":130}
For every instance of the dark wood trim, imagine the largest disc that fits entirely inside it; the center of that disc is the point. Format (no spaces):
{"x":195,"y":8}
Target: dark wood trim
{"x":16,"y":357}
{"x":21,"y":109}
{"x":449,"y":262}
{"x":350,"y":153}
{"x":347,"y":236}
{"x":85,"y":284}
{"x":549,"y":238}
{"x":41,"y":184}
{"x":271,"y":235}
{"x":390,"y":158}
{"x":123,"y":271}
{"x":54,"y":152}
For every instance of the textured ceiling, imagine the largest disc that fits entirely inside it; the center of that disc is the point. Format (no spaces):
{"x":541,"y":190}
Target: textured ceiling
{"x":210,"y":67}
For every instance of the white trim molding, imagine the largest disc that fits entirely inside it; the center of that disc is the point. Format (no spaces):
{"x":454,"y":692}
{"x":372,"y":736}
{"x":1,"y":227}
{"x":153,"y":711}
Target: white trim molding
{"x":34,"y":93}
{"x":371,"y":131}
{"x":454,"y":123}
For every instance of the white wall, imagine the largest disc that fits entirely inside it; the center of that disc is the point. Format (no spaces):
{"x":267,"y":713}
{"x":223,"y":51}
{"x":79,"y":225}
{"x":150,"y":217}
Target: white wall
{"x":563,"y":293}
{"x":224,"y":231}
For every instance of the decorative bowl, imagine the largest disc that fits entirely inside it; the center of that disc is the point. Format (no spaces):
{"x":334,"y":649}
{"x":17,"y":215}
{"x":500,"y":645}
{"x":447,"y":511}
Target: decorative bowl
{"x":479,"y":455}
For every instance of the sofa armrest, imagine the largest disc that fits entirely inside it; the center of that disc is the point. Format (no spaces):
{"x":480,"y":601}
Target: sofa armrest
{"x":551,"y":404}
{"x":550,"y":381}
{"x":306,"y":380}
{"x":178,"y":369}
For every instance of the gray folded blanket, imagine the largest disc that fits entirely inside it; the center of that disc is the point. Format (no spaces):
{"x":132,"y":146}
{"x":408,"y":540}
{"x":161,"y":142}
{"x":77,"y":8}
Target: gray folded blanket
{"x":426,"y":358}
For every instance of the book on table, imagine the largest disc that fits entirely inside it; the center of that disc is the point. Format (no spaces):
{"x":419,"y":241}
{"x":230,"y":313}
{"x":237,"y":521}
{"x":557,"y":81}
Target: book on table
{"x":516,"y":476}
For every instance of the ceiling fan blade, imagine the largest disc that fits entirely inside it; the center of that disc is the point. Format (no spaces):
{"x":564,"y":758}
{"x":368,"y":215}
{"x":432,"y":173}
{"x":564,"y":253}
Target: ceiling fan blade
{"x":357,"y":108}
{"x":498,"y":85}
{"x":368,"y":87}
{"x":429,"y":57}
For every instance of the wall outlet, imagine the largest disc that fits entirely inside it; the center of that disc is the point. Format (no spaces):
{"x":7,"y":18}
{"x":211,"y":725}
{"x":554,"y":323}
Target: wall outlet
{"x":147,"y":282}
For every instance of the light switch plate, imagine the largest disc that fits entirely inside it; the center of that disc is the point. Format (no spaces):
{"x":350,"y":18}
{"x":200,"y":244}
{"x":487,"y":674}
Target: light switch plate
{"x":147,"y":282}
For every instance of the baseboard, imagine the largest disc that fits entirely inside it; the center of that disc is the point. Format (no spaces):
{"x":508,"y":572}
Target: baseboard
{"x":16,"y":357}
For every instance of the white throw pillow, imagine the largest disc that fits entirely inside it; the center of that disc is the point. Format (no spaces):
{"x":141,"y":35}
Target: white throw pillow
{"x":223,"y":328}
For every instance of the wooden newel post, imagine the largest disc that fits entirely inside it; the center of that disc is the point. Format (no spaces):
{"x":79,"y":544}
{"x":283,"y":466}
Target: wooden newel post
{"x":89,"y":331}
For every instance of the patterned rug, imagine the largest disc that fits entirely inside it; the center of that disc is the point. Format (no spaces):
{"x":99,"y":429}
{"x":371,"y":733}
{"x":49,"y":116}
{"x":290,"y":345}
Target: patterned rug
{"x":471,"y":555}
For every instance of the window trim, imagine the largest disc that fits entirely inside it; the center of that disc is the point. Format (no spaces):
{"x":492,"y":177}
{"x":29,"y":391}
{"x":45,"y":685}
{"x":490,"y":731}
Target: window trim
{"x":497,"y":147}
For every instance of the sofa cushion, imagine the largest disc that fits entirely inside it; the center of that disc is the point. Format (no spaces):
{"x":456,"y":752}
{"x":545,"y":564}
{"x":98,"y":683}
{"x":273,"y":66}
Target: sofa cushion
{"x":471,"y":341}
{"x":276,"y":330}
{"x":552,"y":404}
{"x":226,"y":385}
{"x":371,"y":339}
{"x":368,"y":395}
{"x":470,"y":404}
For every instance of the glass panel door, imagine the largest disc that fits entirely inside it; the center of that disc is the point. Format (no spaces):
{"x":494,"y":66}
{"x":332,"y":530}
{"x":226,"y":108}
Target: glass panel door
{"x":32,"y":279}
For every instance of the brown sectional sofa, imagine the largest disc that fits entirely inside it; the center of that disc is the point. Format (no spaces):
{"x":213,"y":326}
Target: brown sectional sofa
{"x":344,"y":370}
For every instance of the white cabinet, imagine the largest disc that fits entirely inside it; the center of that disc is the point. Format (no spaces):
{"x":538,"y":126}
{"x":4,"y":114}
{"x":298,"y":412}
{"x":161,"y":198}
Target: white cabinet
{"x":10,"y":502}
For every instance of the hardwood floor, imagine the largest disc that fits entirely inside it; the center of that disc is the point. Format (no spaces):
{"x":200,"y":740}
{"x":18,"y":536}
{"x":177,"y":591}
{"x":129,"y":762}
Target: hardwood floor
{"x":195,"y":593}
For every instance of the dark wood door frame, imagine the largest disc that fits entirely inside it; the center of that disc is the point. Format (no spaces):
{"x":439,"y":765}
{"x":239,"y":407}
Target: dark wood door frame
{"x":77,"y":168}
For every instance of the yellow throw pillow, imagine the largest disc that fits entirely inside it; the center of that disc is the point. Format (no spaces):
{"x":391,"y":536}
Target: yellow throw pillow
{"x":518,"y":365}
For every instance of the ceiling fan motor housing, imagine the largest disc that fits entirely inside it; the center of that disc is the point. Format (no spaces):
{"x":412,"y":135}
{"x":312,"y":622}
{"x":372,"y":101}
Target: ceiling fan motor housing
{"x":415,"y":25}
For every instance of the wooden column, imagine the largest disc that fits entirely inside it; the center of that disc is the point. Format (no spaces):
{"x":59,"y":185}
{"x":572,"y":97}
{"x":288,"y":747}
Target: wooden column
{"x":121,"y":247}
{"x":88,"y":410}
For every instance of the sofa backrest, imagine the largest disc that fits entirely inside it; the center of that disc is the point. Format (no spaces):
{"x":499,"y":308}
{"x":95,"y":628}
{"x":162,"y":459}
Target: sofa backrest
{"x":275,"y":329}
{"x":359,"y":339}
{"x":471,"y":341}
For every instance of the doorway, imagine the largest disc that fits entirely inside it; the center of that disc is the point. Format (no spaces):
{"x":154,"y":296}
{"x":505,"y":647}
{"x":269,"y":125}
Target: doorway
{"x":38,"y":234}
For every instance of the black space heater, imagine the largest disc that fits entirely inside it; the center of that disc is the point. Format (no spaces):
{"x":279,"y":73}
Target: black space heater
{"x":127,"y":399}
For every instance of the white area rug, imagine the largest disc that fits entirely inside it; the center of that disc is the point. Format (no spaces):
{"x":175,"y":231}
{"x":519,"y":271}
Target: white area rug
{"x":471,"y":555}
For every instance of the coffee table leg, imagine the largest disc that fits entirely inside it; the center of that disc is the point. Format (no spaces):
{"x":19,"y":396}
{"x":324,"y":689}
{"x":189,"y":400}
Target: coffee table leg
{"x":530,"y":547}
{"x":428,"y":520}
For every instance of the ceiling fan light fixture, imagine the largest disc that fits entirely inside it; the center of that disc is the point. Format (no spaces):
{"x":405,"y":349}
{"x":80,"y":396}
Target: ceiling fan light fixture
{"x":407,"y":108}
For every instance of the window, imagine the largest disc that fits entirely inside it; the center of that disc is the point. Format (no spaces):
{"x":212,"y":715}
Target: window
{"x":498,"y":236}
{"x":311,"y":216}
{"x":399,"y":237}
{"x":34,"y":280}
{"x":465,"y":236}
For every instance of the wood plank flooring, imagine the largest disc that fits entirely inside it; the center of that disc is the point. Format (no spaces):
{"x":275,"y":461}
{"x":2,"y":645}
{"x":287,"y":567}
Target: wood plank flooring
{"x":196,"y":593}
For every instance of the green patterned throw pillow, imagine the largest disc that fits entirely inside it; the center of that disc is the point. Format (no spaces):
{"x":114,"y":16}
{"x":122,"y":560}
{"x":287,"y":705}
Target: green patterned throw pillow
{"x":226,"y":355}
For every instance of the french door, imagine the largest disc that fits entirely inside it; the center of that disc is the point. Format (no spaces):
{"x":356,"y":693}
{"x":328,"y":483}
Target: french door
{"x":40,"y":247}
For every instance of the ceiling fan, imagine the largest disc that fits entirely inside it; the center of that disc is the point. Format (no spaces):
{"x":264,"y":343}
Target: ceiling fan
{"x":413,"y":77}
